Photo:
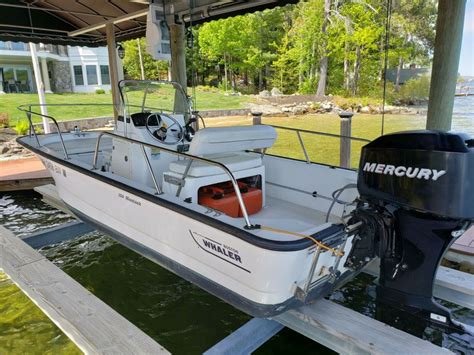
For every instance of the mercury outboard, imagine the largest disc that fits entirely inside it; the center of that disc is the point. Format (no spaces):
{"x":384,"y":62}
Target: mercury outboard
{"x":416,"y":197}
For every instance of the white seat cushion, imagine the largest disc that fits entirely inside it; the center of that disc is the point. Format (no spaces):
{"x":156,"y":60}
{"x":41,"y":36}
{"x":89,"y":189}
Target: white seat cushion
{"x":233,"y":161}
{"x":218,"y":140}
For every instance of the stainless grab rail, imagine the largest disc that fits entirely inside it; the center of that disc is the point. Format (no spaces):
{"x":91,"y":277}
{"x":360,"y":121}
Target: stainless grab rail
{"x":192,"y":157}
{"x":32,"y":128}
{"x":302,"y":145}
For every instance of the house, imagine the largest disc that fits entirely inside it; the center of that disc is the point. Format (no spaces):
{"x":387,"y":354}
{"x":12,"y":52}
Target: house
{"x":63,"y":68}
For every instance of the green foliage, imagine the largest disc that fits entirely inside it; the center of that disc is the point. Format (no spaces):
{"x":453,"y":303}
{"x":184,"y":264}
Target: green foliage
{"x":353,"y":103}
{"x":283,"y":47}
{"x":22,"y":127}
{"x":308,"y":86}
{"x":153,"y":69}
{"x":100,"y":91}
{"x":414,"y":90}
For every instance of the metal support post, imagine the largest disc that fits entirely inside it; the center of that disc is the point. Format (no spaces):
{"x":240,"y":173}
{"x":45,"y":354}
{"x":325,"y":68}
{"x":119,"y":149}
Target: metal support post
{"x":346,"y":132}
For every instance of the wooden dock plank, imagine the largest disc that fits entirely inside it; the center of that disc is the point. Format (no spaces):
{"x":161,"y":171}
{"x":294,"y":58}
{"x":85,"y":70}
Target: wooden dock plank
{"x":247,"y":338}
{"x":86,"y":320}
{"x":349,"y":332}
{"x":450,"y":285}
{"x":23,"y":174}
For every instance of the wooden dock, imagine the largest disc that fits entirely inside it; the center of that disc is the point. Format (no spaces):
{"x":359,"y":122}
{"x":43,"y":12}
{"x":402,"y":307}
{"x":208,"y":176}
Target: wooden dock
{"x":462,"y":250}
{"x":346,"y":331}
{"x":90,"y":323}
{"x":23,"y":174}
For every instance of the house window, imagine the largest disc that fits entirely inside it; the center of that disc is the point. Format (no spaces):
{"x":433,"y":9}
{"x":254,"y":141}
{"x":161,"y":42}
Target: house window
{"x":91,"y":71}
{"x":104,"y":74}
{"x":78,"y":77}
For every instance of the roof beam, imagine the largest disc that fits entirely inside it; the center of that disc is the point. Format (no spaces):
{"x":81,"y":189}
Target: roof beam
{"x":102,"y":24}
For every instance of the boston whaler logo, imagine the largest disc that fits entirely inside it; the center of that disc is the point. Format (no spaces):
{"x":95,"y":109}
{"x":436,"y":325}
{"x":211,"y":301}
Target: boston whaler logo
{"x":222,"y":251}
{"x":410,"y":172}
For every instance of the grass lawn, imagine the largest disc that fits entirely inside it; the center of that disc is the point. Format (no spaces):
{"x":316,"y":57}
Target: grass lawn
{"x":320,"y":149}
{"x":205,"y":100}
{"x":326,"y":149}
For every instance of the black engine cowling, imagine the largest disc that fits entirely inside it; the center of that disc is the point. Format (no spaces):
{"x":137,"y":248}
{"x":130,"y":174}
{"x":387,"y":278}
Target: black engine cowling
{"x":424,"y":182}
{"x":428,"y":171}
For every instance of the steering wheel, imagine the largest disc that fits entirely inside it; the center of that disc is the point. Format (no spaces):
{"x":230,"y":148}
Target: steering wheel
{"x":161,"y":133}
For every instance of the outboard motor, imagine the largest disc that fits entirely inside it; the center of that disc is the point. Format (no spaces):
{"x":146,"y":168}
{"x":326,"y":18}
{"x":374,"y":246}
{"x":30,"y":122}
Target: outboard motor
{"x":416,"y":197}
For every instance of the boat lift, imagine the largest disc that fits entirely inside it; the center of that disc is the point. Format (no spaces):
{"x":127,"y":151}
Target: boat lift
{"x":80,"y":314}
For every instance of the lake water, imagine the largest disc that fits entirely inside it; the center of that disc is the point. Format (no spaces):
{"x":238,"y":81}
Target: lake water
{"x":463,"y":115}
{"x":180,"y":316}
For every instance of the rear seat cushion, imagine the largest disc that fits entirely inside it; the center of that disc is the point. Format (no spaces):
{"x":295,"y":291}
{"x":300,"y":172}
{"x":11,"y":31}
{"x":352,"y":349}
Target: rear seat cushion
{"x":233,"y":161}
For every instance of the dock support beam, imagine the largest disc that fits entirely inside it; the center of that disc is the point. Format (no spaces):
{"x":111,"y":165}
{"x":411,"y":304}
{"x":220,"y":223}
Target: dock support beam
{"x":346,"y":131}
{"x":113,"y":66}
{"x":39,"y":87}
{"x":247,"y":338}
{"x":178,"y":62}
{"x":449,"y":29}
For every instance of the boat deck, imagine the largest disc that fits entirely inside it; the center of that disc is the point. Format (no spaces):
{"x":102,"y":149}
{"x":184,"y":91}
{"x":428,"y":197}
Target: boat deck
{"x":289,"y":216}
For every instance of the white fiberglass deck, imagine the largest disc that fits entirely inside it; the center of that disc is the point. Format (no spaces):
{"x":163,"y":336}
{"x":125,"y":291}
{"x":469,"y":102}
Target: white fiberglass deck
{"x":282,"y":214}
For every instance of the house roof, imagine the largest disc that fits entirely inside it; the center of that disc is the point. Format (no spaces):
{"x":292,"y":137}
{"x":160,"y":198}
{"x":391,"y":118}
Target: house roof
{"x":52,"y":21}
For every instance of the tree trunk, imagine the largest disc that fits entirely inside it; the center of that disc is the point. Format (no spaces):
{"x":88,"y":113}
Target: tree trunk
{"x":356,"y":71}
{"x":382,"y":59}
{"x":300,"y":73}
{"x":225,"y":72}
{"x":312,"y":70}
{"x":346,"y":66}
{"x":234,"y":82}
{"x":267,"y":74}
{"x":323,"y":64}
{"x":346,"y":84}
{"x":399,"y":70}
{"x":260,"y":79}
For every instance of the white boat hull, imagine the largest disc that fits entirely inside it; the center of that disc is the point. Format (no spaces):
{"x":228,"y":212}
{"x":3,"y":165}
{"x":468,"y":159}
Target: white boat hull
{"x":217,"y":260}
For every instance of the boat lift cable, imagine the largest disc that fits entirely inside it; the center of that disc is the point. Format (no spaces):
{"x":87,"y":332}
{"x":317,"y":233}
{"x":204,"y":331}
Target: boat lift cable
{"x":387,"y":46}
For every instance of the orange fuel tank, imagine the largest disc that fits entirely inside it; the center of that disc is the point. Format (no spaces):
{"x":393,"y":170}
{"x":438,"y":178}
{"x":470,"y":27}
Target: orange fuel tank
{"x":222,"y":197}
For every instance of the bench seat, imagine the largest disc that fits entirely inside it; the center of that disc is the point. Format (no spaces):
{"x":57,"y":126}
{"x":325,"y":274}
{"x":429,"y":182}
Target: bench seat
{"x":233,"y":161}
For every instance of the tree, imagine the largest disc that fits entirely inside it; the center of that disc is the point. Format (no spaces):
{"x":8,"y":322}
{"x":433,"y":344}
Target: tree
{"x":154,"y":69}
{"x":323,"y":66}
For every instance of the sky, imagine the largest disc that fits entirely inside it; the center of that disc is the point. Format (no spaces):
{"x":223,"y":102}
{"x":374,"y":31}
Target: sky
{"x":466,"y":65}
